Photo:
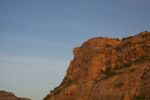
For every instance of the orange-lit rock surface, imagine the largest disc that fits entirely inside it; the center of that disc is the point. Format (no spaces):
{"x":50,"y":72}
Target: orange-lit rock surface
{"x":108,"y":69}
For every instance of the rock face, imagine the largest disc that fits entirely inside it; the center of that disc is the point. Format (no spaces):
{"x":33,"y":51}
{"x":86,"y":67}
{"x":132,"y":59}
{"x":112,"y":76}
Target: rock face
{"x":10,"y":96}
{"x":108,"y":69}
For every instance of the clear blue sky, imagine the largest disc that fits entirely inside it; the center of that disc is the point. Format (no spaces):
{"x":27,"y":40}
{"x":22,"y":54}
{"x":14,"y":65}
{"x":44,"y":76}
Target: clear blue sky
{"x":37,"y":37}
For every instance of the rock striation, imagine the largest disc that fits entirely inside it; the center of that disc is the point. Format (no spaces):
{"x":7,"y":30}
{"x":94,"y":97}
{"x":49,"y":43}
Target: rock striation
{"x":10,"y":96}
{"x":108,"y":69}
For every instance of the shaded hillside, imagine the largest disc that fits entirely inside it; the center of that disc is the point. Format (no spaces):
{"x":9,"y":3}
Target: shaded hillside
{"x":10,"y":96}
{"x":108,"y":69}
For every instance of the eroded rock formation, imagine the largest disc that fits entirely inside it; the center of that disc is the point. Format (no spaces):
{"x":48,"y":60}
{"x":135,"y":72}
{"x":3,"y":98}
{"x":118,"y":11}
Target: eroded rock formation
{"x":108,"y":69}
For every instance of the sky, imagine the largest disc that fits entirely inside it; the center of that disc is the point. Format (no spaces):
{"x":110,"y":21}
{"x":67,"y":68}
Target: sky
{"x":37,"y":37}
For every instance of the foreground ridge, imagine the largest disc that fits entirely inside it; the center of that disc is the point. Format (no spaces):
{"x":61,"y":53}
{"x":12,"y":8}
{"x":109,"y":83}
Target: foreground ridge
{"x":10,"y":96}
{"x":108,"y":69}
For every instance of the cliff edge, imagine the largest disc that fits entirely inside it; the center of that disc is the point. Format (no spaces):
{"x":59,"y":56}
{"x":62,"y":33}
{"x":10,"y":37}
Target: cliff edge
{"x":108,"y":69}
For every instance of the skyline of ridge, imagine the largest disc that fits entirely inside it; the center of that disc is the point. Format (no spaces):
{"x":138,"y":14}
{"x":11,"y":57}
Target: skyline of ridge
{"x":37,"y":37}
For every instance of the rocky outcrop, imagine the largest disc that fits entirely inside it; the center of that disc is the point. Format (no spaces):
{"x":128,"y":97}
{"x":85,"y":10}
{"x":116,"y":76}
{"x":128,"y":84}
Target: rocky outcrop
{"x":108,"y":69}
{"x":10,"y":96}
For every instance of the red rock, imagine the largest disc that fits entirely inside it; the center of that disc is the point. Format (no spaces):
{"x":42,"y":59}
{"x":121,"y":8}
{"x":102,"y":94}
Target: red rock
{"x":108,"y":69}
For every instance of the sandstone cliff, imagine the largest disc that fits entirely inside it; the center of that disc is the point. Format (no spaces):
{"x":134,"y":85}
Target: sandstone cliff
{"x":108,"y":69}
{"x":10,"y":96}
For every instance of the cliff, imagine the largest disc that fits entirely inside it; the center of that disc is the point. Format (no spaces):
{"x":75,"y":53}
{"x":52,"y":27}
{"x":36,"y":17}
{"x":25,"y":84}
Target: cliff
{"x":108,"y":69}
{"x":10,"y":96}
